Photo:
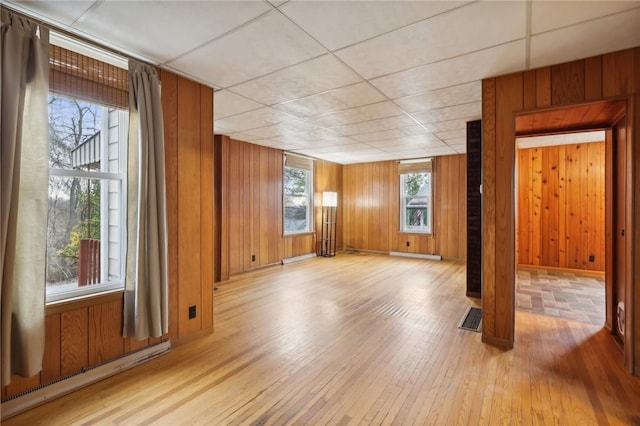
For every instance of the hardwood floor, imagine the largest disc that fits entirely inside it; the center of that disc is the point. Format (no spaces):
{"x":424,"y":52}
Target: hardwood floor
{"x":362,"y":339}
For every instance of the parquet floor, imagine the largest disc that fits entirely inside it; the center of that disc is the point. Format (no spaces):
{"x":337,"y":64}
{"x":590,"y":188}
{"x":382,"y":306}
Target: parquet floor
{"x":362,"y":339}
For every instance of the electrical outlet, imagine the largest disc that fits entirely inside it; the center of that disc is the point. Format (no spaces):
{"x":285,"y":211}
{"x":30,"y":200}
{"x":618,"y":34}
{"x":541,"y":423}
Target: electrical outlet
{"x":192,"y":312}
{"x":408,"y":244}
{"x":592,"y":258}
{"x":253,"y":257}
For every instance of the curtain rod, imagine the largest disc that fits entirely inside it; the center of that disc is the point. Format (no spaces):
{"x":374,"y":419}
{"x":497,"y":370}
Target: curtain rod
{"x":75,"y":36}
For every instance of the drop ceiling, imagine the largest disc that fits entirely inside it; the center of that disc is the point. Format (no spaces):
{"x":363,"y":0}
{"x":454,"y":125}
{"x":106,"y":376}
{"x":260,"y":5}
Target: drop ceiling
{"x":348,"y":81}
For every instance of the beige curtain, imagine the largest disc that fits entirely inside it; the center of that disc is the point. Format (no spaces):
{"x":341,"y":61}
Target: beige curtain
{"x":146,"y":283}
{"x":24,"y":171}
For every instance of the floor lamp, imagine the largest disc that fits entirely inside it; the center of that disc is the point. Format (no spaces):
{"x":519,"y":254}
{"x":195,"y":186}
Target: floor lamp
{"x":329,"y":210}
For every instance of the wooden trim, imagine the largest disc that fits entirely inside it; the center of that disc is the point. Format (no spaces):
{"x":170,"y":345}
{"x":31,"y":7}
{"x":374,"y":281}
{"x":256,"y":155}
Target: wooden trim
{"x":84,"y":302}
{"x":569,"y":270}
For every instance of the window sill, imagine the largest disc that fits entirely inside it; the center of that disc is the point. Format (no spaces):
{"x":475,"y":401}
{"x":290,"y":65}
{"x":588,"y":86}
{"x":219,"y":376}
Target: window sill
{"x":298,"y":234}
{"x":84,"y":301}
{"x":417,"y":233}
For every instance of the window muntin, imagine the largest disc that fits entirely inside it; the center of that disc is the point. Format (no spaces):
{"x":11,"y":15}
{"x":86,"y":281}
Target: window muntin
{"x":298,"y":195}
{"x":416,"y":211}
{"x":85,"y":232}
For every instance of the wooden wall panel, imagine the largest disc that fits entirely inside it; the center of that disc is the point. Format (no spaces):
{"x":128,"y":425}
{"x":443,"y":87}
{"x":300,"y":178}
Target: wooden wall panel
{"x":74,"y":340}
{"x":543,"y":87}
{"x":105,"y":332}
{"x":567,"y":83}
{"x":206,"y":208}
{"x":189,"y":205}
{"x":617,"y":71}
{"x":593,"y":78}
{"x":170,"y":121}
{"x":635,"y":311}
{"x":553,"y":230}
{"x":557,"y":85}
{"x":489,"y":210}
{"x":51,"y":362}
{"x":251,"y":185}
{"x":508,"y":100}
{"x":328,"y":177}
{"x":372,"y":210}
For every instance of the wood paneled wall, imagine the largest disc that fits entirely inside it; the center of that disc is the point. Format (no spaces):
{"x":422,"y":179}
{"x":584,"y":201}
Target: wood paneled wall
{"x":188,"y":131}
{"x":371,"y":212}
{"x":561,"y":206}
{"x":328,"y":177}
{"x":613,"y":75}
{"x":251,"y":194}
{"x":86,"y":332}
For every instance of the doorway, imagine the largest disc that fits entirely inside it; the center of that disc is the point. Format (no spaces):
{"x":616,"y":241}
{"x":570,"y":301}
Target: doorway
{"x":588,"y":247}
{"x":560,"y":225}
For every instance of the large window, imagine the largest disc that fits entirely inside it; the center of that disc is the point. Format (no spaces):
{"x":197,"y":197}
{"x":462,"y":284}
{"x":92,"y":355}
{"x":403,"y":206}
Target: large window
{"x":85,"y":235}
{"x":87,"y":167}
{"x":298,"y":194}
{"x":416,"y":189}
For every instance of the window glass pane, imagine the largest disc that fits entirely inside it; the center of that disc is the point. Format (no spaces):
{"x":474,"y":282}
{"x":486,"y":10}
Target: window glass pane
{"x":416,"y":202}
{"x":85,"y":247}
{"x":297,"y":199}
{"x":83,"y":233}
{"x":74,"y":134}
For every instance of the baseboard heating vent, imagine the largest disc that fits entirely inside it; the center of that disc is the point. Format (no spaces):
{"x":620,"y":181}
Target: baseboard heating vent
{"x":416,"y":255}
{"x":23,"y":401}
{"x":298,"y":258}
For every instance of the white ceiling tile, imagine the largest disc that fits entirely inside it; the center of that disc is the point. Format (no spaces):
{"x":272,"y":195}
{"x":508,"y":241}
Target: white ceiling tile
{"x":304,"y":79}
{"x":315,"y":138}
{"x":284,"y":128}
{"x":473,"y":109}
{"x":277,"y":144}
{"x":474,"y":66}
{"x":334,"y":100}
{"x":456,"y":142}
{"x":354,"y":115}
{"x":61,"y":12}
{"x":146,"y":27}
{"x":549,"y":15}
{"x":252,"y":119}
{"x":460,"y":149}
{"x":220,"y":130}
{"x":407,"y":143}
{"x":611,"y":33}
{"x":244,"y":137}
{"x":443,"y":126}
{"x":258,"y":48}
{"x":453,"y":134}
{"x":376,"y":125}
{"x":341,"y":23}
{"x":478,"y":25}
{"x":278,"y":3}
{"x":390,"y":134}
{"x":455,"y":95}
{"x":226,"y":103}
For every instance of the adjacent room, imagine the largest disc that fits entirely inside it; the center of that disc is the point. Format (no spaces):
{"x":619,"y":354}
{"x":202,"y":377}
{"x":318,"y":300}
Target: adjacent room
{"x":314,"y":212}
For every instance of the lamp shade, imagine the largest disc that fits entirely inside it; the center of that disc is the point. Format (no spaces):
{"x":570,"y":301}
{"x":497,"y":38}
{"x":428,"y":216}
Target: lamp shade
{"x":329,"y":199}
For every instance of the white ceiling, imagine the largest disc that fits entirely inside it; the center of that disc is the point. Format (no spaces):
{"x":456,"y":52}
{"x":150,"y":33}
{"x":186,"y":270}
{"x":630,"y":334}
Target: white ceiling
{"x":348,"y":81}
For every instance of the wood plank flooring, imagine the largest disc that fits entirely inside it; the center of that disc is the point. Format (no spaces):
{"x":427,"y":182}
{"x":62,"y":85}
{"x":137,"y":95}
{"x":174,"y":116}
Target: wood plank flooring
{"x":362,"y":339}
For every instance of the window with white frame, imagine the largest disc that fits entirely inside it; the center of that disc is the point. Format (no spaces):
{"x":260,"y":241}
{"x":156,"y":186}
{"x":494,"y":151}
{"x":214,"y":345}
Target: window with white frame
{"x":298,"y":194}
{"x":416,"y":196}
{"x":88,"y":131}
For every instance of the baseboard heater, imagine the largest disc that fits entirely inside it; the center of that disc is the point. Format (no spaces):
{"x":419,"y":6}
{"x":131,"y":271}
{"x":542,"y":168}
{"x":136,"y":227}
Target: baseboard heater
{"x":33,"y":397}
{"x":298,"y":258}
{"x":416,"y":255}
